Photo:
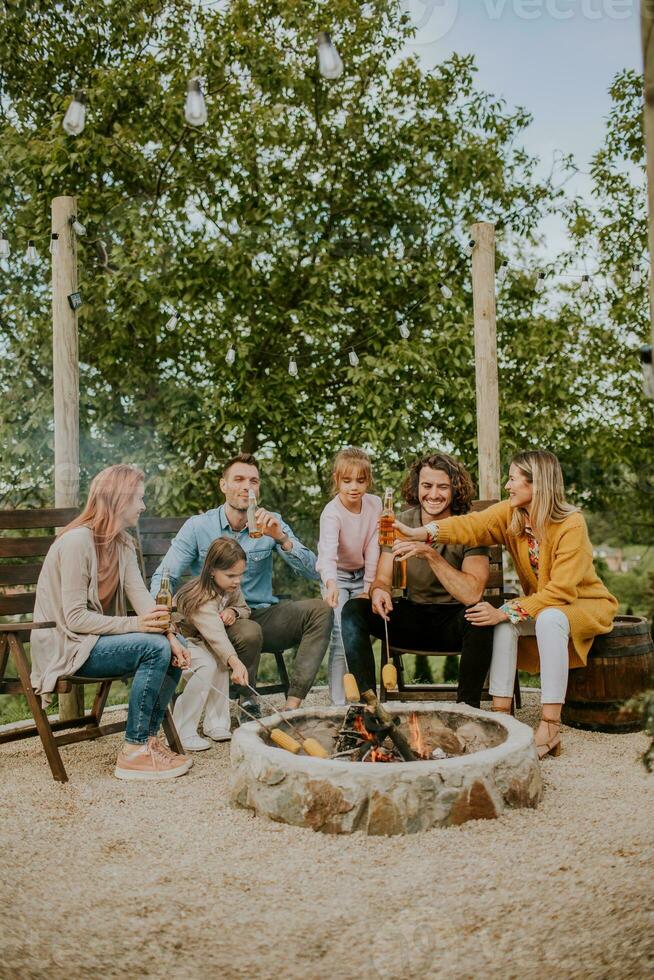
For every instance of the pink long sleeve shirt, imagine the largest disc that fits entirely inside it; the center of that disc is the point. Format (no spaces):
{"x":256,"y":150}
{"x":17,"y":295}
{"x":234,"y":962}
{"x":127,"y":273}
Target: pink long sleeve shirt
{"x":349,"y":541}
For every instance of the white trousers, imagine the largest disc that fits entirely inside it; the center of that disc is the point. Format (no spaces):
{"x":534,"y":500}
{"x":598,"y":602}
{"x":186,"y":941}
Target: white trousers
{"x":197,"y":693}
{"x":552,"y":631}
{"x":350,"y":584}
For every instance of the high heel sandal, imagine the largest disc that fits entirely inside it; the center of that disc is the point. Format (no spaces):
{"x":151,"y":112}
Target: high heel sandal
{"x":502,"y":711}
{"x":553,"y":746}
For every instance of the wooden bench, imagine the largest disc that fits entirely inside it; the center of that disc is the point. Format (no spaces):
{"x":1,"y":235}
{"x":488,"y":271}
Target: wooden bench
{"x":21,"y":558}
{"x":494,"y":593}
{"x":154,"y":535}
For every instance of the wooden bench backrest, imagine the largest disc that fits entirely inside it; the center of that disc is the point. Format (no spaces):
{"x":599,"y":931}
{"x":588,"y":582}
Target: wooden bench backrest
{"x":154,"y":535}
{"x":26,"y":536}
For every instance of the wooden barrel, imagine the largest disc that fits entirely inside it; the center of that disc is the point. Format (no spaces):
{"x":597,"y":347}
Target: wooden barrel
{"x":620,"y":665}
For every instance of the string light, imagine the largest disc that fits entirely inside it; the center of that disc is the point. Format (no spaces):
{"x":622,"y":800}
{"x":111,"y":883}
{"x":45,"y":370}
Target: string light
{"x":354,"y":360}
{"x":446,"y":291}
{"x":230,"y":356}
{"x":503,"y":271}
{"x":75,"y":114}
{"x":585,"y":288}
{"x":195,"y":108}
{"x":540,"y":283}
{"x":77,"y":226}
{"x":172,"y":322}
{"x":405,"y":333}
{"x":470,"y":247}
{"x":4,"y":246}
{"x":329,"y":60}
{"x":292,"y":368}
{"x":54,"y":243}
{"x":31,"y":256}
{"x":635,"y":275}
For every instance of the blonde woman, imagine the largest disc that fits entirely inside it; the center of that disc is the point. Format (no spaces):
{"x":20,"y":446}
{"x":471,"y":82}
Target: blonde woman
{"x":208,"y":606}
{"x":87,"y":578}
{"x":565,"y":605}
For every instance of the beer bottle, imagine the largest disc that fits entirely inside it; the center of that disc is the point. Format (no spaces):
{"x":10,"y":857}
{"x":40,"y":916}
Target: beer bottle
{"x":164,"y":595}
{"x":253,"y":528}
{"x":398,"y":590}
{"x":386,"y":521}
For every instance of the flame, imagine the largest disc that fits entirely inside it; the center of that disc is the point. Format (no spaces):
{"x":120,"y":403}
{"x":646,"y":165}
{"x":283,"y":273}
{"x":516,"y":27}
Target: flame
{"x":381,"y":755}
{"x":362,"y":730}
{"x":416,"y":740}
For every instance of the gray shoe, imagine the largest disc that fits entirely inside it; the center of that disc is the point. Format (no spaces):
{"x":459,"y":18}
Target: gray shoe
{"x":253,"y":709}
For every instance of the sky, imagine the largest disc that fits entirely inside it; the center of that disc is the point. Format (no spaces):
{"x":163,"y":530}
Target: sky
{"x":556,"y":58}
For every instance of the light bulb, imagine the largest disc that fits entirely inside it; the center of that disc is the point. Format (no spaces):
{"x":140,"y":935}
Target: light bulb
{"x":78,"y":227}
{"x":635,"y":275}
{"x":172,"y":322}
{"x":292,"y":368}
{"x":584,"y":289}
{"x":329,"y":60}
{"x":540,"y":283}
{"x":354,"y":360}
{"x":503,"y":271}
{"x":446,"y":291}
{"x":75,"y":114}
{"x":4,"y":247}
{"x":230,"y":356}
{"x":31,"y":256}
{"x":405,"y":333}
{"x":470,"y":247}
{"x":54,"y":243}
{"x":195,"y":109}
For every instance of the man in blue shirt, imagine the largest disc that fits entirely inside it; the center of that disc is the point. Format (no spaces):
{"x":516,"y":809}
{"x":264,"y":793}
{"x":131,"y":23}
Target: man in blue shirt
{"x":274,"y":625}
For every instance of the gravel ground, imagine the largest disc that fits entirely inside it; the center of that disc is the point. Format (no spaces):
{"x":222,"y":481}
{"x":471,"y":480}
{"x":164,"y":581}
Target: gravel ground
{"x":168,"y":880}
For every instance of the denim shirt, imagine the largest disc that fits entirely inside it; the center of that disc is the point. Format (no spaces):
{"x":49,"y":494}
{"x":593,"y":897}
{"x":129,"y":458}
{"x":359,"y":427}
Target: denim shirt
{"x":189,"y":547}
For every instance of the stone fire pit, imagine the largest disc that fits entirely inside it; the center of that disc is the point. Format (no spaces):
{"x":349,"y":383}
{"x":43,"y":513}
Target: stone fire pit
{"x":498,"y":769}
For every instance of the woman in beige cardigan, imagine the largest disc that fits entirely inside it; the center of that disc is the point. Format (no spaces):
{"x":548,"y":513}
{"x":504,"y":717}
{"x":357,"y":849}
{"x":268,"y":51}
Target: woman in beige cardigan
{"x":87,"y":577}
{"x":207,"y":606}
{"x":564,"y":605}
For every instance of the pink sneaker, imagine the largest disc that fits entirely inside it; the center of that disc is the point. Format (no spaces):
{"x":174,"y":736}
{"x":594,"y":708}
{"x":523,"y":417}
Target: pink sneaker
{"x":153,"y":761}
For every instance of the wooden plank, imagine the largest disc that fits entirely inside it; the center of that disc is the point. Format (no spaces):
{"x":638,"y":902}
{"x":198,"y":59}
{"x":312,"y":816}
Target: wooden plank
{"x":155,"y":546}
{"x":25,"y":547}
{"x":13,"y":605}
{"x":156,"y":525}
{"x":91,"y":733}
{"x":487,"y":387}
{"x":478,"y":505}
{"x":19,"y":574}
{"x":15,"y":520}
{"x":24,"y":627}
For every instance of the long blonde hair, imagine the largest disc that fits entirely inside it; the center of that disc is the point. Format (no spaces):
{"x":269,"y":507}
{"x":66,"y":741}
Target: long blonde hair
{"x":548,"y":504}
{"x":223,"y":554}
{"x":109,"y":492}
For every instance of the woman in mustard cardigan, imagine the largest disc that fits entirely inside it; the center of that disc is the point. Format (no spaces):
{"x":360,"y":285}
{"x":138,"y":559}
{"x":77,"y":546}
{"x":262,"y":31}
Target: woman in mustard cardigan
{"x":565,"y":605}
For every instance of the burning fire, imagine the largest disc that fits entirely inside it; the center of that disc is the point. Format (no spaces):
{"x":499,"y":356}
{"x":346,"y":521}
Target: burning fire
{"x":362,"y":730}
{"x":378,"y":754}
{"x":416,"y":740}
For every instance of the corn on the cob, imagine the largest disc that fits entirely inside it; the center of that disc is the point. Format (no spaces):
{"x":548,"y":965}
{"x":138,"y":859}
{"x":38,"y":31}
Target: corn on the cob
{"x":351,"y":688}
{"x":284,"y":741}
{"x":389,"y":677}
{"x":313,"y":747}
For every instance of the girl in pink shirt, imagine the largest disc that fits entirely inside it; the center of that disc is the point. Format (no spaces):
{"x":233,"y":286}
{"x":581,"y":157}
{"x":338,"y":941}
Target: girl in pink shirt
{"x":348,"y":549}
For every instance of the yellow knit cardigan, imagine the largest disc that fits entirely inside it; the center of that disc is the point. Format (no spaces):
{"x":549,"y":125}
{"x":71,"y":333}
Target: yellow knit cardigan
{"x":567,"y":579}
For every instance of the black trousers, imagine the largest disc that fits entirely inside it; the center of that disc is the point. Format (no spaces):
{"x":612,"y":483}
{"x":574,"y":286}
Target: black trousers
{"x":418,"y":626}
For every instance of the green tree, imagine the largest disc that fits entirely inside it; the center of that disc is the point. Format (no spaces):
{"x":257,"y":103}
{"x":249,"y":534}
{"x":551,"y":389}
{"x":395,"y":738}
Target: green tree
{"x":307,"y":217}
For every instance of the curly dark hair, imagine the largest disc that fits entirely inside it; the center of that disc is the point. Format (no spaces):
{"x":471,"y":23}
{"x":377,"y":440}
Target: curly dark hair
{"x":463,"y":489}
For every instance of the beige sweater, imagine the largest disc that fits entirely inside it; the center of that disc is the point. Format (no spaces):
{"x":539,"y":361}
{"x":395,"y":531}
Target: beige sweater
{"x":67,"y":594}
{"x":205,"y":627}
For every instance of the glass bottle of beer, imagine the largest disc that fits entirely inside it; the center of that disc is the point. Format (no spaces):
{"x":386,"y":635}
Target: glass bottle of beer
{"x":253,"y":528}
{"x":164,"y":595}
{"x":398,"y":589}
{"x":386,"y":521}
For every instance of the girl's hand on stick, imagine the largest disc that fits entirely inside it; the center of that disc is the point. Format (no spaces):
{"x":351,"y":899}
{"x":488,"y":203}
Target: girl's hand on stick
{"x":239,"y":671}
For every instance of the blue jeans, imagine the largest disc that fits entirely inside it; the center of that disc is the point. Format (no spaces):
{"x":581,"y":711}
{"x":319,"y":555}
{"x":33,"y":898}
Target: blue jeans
{"x":350,"y":584}
{"x":147,"y":656}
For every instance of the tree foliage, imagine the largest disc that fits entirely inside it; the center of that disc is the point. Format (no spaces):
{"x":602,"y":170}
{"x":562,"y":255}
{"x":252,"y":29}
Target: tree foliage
{"x":306,"y":218}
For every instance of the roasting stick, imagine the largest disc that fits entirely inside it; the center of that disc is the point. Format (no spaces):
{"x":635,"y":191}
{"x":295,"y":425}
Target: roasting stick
{"x":310,"y":745}
{"x":285,"y":741}
{"x":389,"y":670}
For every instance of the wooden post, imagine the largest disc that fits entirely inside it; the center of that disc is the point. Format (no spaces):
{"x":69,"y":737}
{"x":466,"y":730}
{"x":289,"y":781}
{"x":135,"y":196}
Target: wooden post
{"x":65,"y":375}
{"x":488,"y":413}
{"x":647,"y":32}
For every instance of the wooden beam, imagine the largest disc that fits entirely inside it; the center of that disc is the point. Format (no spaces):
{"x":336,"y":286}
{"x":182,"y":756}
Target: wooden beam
{"x":647,"y":35}
{"x":488,"y":415}
{"x":65,"y":371}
